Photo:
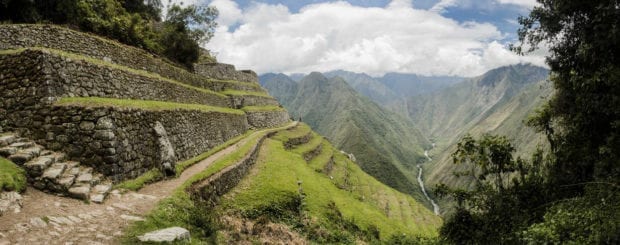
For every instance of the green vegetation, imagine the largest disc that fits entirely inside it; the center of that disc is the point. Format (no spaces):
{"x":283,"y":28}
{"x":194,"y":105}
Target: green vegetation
{"x":142,"y":180}
{"x":110,"y":65}
{"x":181,"y":166}
{"x":346,"y":206}
{"x":385,"y":144}
{"x":568,"y":193}
{"x":12,"y":177}
{"x":262,"y":108}
{"x":239,"y":92}
{"x":133,"y":22}
{"x":140,"y":104}
{"x":180,"y":210}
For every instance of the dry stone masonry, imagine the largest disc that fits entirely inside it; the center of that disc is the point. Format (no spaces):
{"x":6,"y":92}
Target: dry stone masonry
{"x":76,"y":147}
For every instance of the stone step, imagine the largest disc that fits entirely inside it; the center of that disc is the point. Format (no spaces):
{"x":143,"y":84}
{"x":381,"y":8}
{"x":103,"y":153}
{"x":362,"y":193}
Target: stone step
{"x":35,"y":167}
{"x":19,"y":143}
{"x":7,"y":139}
{"x":80,"y":191}
{"x":7,"y":151}
{"x":100,"y":192}
{"x":25,"y":154}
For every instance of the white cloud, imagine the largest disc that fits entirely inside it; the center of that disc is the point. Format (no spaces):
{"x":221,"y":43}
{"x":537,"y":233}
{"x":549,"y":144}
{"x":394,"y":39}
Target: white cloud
{"x":442,"y":5}
{"x":338,"y":35}
{"x":524,"y":3}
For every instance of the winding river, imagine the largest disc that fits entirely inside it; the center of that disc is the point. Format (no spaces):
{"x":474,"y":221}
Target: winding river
{"x":435,"y":206}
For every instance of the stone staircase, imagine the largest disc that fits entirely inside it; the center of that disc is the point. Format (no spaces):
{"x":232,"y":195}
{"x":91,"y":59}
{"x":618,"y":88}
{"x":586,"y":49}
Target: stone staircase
{"x":51,"y":172}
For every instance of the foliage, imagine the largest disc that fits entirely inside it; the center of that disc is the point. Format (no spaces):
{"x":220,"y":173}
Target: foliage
{"x":12,"y":177}
{"x":584,"y":114}
{"x":571,"y":193}
{"x":492,"y":210}
{"x":142,"y":180}
{"x":134,"y":22}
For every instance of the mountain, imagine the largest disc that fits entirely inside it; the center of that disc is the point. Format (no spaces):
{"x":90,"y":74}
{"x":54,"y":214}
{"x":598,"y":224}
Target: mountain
{"x":367,"y":86}
{"x":281,"y":85}
{"x":407,"y":85}
{"x":497,"y":102}
{"x":386,"y":145}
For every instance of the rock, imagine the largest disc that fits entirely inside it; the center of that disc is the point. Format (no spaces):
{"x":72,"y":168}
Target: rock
{"x":22,"y":144}
{"x":131,"y":218}
{"x":66,"y":180}
{"x":10,"y":201}
{"x":84,"y":178}
{"x":38,"y":222}
{"x":80,"y":192}
{"x":7,"y":139}
{"x":166,"y":235}
{"x":97,"y":198}
{"x":167,"y":155}
{"x":104,"y":123}
{"x":54,"y":171}
{"x":7,"y":151}
{"x":36,"y":166}
{"x":87,"y":126}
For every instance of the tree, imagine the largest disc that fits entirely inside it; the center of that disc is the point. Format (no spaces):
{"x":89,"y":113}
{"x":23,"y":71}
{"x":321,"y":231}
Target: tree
{"x":584,"y":115}
{"x":184,"y":29}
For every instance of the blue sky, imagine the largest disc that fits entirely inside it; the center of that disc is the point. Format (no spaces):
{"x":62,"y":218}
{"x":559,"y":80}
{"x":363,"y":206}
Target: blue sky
{"x":429,"y":37}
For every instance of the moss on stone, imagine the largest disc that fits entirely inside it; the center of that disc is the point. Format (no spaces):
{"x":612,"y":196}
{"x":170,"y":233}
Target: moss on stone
{"x":140,"y":104}
{"x":262,"y":108}
{"x":12,"y":177}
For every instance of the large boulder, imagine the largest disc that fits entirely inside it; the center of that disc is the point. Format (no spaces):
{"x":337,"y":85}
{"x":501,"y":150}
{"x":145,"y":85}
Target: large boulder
{"x":166,"y":235}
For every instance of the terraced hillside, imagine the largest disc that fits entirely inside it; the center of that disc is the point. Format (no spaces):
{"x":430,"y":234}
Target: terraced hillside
{"x":386,"y":145}
{"x":303,"y":189}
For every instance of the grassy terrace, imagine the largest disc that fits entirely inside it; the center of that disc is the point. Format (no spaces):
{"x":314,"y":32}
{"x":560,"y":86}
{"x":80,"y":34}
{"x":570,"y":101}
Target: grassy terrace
{"x":242,"y":93}
{"x":180,"y":210}
{"x":140,"y":104}
{"x":262,"y":108}
{"x":299,"y":131}
{"x":319,"y":161}
{"x":245,"y":84}
{"x":112,"y":66}
{"x":311,"y":145}
{"x":12,"y":177}
{"x":350,"y":207}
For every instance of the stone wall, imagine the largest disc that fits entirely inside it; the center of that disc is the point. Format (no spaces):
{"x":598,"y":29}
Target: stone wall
{"x":57,"y":37}
{"x":124,"y":143}
{"x":211,"y":189}
{"x":59,"y":76}
{"x":267,"y":119}
{"x":239,"y":101}
{"x":225,"y":72}
{"x":218,"y":86}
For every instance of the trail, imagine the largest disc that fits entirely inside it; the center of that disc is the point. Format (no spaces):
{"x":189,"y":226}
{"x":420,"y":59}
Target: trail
{"x":435,"y":206}
{"x":50,"y":219}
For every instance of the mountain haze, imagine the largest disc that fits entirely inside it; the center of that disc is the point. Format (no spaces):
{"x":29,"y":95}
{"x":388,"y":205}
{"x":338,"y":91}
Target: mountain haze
{"x":498,"y":102}
{"x":386,"y":145}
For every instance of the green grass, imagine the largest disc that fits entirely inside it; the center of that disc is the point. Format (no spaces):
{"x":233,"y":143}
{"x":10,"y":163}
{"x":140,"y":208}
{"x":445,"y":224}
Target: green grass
{"x":235,"y":82}
{"x":362,"y":203}
{"x":318,"y":162}
{"x":262,"y":108}
{"x":180,"y":210}
{"x":311,"y":145}
{"x":181,"y":166}
{"x":12,"y":177}
{"x":242,"y":93}
{"x":141,"y":104}
{"x":144,"y":179}
{"x":299,"y":131}
{"x":113,"y":66}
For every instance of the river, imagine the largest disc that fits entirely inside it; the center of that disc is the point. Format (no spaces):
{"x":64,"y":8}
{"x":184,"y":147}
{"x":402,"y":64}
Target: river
{"x":421,"y":182}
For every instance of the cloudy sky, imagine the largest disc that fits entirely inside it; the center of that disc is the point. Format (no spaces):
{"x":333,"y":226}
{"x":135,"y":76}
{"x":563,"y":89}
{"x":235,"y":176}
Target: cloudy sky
{"x":429,"y":37}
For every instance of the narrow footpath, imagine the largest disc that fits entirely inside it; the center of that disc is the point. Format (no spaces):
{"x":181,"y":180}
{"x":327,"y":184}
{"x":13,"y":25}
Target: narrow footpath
{"x":49,"y":219}
{"x":421,"y":182}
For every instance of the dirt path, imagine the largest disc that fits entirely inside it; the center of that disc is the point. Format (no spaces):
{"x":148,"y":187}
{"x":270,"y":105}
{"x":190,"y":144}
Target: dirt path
{"x":49,"y":219}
